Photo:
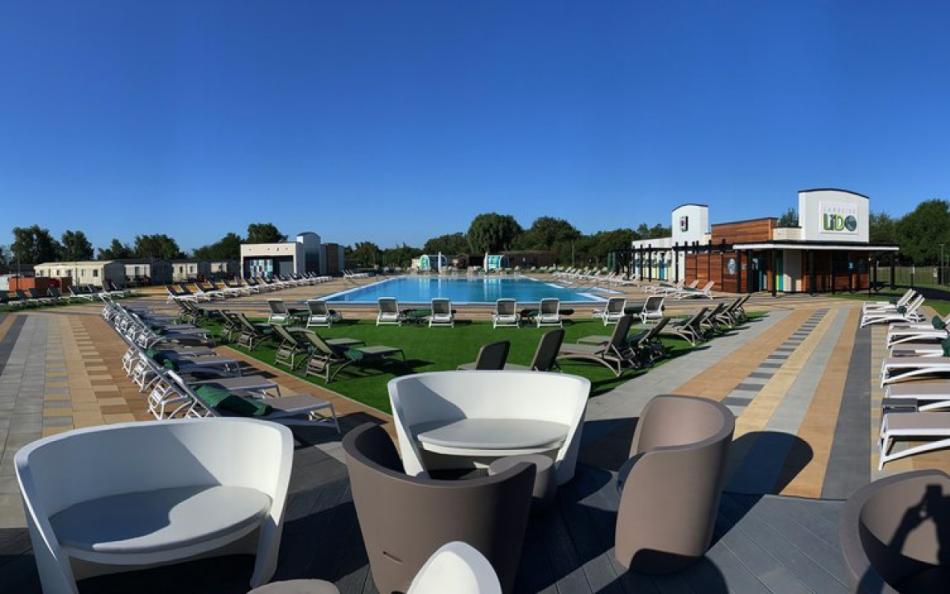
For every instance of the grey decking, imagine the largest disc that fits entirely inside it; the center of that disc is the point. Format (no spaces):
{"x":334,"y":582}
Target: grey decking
{"x":763,"y":544}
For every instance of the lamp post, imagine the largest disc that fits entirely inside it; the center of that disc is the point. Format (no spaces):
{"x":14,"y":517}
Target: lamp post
{"x":940,"y":275}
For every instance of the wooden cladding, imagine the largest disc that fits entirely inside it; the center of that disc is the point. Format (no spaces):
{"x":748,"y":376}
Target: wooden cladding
{"x":744,"y":231}
{"x":751,"y":271}
{"x":714,"y":267}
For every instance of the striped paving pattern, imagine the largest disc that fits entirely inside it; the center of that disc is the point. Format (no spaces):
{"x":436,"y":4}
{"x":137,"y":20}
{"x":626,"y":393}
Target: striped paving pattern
{"x":803,"y":386}
{"x":744,"y":392}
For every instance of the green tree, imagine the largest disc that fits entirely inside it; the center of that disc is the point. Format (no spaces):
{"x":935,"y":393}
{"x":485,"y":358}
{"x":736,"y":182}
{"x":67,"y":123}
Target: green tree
{"x":789,"y":218}
{"x":644,"y":231}
{"x":546,"y":233}
{"x":158,"y":246}
{"x":226,"y":248}
{"x":116,"y":251}
{"x":452,"y":244}
{"x":4,"y":261}
{"x":34,"y":245}
{"x":492,"y":232}
{"x":75,"y":246}
{"x":364,"y":254}
{"x":400,"y":255}
{"x":264,"y":233}
{"x":921,"y":231}
{"x":882,"y":229}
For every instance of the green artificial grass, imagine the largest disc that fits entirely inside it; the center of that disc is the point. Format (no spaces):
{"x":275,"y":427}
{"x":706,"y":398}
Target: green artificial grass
{"x":440,"y":349}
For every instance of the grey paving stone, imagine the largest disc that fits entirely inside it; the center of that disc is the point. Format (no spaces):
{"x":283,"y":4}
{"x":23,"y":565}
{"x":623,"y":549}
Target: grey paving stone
{"x":57,"y":421}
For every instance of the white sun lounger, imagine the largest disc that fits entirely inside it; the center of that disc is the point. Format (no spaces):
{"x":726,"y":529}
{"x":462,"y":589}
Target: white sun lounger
{"x":705,"y":291}
{"x":549,"y":313}
{"x":900,"y":369}
{"x":896,"y":336}
{"x":928,"y":395}
{"x":505,"y":314}
{"x":613,"y":311}
{"x":910,"y":315}
{"x":441,"y":313}
{"x":915,"y":426}
{"x":887,"y":306}
{"x":388,"y":312}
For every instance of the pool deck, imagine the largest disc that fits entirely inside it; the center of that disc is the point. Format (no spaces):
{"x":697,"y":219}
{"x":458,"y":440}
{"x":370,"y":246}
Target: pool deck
{"x":802,"y":382}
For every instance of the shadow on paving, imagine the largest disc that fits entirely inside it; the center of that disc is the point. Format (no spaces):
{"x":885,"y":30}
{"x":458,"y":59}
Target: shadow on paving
{"x":568,"y":548}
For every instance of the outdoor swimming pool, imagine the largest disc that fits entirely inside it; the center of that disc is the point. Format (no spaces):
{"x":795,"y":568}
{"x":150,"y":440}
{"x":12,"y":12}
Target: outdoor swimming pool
{"x":409,"y":289}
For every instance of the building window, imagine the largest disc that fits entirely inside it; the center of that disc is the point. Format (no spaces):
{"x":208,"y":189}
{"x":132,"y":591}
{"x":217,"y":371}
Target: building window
{"x":95,"y":274}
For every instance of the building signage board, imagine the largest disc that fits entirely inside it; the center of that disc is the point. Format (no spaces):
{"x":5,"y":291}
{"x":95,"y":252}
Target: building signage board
{"x":839,"y":218}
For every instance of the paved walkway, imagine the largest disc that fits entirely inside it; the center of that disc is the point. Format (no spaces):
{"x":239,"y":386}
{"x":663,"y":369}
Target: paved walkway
{"x":61,"y":369}
{"x":802,"y":382}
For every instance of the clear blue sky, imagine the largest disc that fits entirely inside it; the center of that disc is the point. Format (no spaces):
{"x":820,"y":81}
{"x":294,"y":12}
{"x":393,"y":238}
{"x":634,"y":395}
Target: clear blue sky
{"x":395,"y":121}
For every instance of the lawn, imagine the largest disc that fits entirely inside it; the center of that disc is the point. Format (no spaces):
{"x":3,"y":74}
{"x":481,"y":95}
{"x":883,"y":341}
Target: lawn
{"x":439,"y":349}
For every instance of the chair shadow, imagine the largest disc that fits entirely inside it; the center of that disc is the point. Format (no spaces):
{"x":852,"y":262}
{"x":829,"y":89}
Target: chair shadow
{"x":578,"y":533}
{"x":765,"y":462}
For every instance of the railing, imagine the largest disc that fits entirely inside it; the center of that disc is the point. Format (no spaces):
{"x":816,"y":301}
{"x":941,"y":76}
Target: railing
{"x":914,"y":276}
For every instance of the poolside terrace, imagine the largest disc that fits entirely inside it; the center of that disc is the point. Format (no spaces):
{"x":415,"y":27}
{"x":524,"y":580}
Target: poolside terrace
{"x":801,"y":381}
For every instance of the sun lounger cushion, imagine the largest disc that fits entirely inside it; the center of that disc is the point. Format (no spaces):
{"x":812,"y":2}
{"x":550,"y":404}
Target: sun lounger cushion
{"x":358,"y":354}
{"x":583,"y":349}
{"x":161,"y":520}
{"x":938,"y":323}
{"x":492,"y":434}
{"x":220,"y":399}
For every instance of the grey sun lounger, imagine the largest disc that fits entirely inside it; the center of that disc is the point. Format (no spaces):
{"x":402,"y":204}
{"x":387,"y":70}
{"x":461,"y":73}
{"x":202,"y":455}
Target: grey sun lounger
{"x":505,"y":314}
{"x":295,"y":342}
{"x":491,"y":357}
{"x":545,"y":356}
{"x":916,"y":426}
{"x":292,"y":410}
{"x":328,"y":360}
{"x":612,"y":355}
{"x":689,"y":329}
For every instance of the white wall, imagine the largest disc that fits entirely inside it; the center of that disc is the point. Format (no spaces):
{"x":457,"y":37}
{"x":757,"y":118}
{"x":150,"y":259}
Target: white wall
{"x":835,"y":208}
{"x":690,"y":222}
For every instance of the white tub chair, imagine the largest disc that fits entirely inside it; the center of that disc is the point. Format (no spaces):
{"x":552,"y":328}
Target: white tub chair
{"x":457,"y":419}
{"x":456,"y":567}
{"x":122,"y":497}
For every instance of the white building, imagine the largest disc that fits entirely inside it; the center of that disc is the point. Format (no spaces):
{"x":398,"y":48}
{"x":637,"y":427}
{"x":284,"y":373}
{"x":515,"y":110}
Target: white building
{"x":90,"y":272}
{"x":304,"y":254}
{"x":828,"y":250}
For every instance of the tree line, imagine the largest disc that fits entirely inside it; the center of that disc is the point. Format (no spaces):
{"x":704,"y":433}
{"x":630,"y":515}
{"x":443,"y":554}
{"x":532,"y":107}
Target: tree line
{"x":919,"y":234}
{"x":494,"y":233}
{"x":35,"y":245}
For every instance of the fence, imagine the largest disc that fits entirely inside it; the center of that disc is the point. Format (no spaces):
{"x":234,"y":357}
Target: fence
{"x":914,"y":276}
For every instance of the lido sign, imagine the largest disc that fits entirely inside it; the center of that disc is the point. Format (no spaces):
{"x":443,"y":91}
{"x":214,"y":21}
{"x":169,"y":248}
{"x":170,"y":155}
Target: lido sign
{"x":838,"y":219}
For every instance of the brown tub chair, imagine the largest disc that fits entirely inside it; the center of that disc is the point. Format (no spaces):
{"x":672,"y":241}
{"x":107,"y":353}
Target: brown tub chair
{"x":672,"y":483}
{"x":405,"y":519}
{"x":894,"y":532}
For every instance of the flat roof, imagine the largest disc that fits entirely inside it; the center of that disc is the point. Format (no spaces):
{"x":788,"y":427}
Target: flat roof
{"x":815,"y":245}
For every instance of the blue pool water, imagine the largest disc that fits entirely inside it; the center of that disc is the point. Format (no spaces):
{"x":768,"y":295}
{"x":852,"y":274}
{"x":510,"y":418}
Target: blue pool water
{"x":409,"y":289}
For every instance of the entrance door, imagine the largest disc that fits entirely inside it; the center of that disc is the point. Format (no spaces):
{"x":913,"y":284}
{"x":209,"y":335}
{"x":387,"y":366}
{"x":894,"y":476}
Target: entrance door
{"x":780,"y":270}
{"x":755,"y":274}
